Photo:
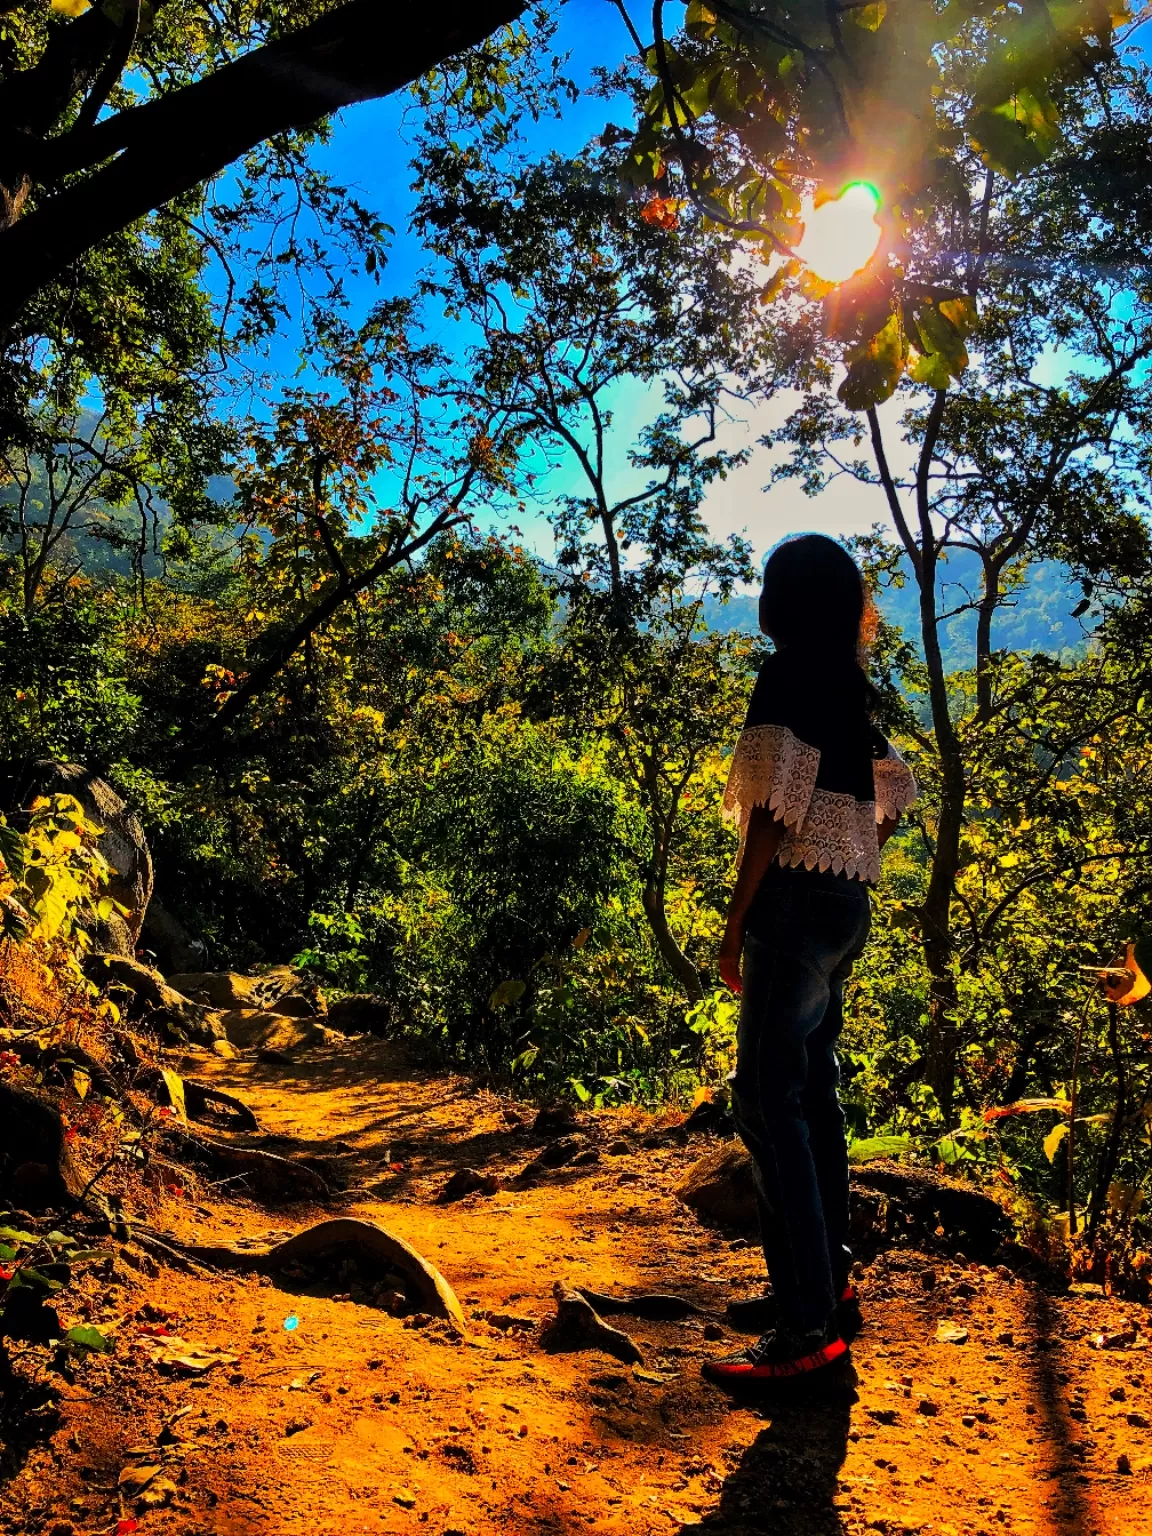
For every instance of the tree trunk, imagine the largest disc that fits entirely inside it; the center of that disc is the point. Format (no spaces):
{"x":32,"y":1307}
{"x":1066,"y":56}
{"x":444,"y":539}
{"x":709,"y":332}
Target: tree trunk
{"x":670,"y":952}
{"x":150,"y":154}
{"x":989,"y":602}
{"x":936,"y":911}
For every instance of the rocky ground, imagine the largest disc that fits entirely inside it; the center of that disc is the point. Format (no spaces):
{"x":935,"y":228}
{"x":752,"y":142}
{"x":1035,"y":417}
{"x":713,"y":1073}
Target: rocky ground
{"x":979,"y":1399}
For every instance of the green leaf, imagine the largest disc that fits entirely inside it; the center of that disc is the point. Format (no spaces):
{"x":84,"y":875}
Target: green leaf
{"x":1017,"y":135}
{"x":34,"y":1281}
{"x":869,"y":16}
{"x":871,"y":1147}
{"x":874,"y":367}
{"x":14,"y":851}
{"x":506,"y":993}
{"x":579,"y":1090}
{"x":85,"y":1337}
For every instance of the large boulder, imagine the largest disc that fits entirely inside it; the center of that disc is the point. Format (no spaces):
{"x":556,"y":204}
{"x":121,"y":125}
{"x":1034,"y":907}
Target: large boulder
{"x":889,"y":1202}
{"x":280,"y":989}
{"x":719,"y":1187}
{"x":258,"y":1029}
{"x":122,"y":840}
{"x":361,"y":1013}
{"x":173,"y":946}
{"x":36,"y":1167}
{"x":152,"y":999}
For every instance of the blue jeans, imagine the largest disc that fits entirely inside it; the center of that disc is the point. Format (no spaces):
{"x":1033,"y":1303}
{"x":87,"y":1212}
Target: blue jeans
{"x":804,"y":933}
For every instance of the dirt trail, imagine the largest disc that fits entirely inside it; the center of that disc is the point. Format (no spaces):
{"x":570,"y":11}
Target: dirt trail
{"x":356,"y":1421}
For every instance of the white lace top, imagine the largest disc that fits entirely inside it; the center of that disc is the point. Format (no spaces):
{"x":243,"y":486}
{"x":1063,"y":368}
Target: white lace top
{"x":823,"y":829}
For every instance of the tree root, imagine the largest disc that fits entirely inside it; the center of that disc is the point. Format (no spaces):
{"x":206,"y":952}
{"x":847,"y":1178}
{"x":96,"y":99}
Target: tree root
{"x":653,"y":1305}
{"x":330,"y":1242}
{"x":268,"y":1177}
{"x":578,"y":1326}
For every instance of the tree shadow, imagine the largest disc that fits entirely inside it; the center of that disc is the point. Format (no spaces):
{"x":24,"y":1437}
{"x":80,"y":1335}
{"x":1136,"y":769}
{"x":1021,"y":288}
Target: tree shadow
{"x":1069,"y":1509}
{"x":786,"y":1480}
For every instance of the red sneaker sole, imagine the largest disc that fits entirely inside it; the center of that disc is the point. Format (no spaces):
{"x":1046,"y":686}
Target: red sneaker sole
{"x":777,"y":1370}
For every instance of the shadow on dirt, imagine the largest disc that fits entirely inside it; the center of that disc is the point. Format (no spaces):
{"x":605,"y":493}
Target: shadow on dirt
{"x":1068,"y":1505}
{"x":28,"y":1411}
{"x":787,"y":1479}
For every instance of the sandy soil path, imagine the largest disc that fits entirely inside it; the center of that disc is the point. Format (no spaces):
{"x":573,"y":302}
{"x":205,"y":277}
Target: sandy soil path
{"x":356,"y":1421}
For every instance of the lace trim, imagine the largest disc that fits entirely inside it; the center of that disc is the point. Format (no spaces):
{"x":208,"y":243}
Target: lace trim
{"x":838,"y":833}
{"x":771,"y":767}
{"x":894,"y":785}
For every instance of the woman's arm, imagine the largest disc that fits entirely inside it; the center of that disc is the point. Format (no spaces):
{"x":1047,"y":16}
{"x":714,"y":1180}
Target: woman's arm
{"x":760,"y":847}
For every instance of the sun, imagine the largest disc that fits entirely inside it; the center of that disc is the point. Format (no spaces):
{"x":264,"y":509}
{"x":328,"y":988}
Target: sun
{"x":841,"y":235}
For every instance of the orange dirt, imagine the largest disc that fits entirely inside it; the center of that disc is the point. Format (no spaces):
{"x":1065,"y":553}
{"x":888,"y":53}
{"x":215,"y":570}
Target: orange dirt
{"x":355,"y":1422}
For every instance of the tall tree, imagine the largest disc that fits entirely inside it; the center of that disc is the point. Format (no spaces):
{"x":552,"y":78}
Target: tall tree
{"x":1038,"y":451}
{"x":576,"y":298}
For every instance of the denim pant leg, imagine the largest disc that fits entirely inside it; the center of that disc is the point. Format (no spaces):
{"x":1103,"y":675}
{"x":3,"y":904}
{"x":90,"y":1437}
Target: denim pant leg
{"x":784,"y":1093}
{"x":822,"y":1111}
{"x":783,"y":1002}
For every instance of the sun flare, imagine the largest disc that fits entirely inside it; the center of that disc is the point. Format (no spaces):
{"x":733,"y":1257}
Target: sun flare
{"x":841,"y":236}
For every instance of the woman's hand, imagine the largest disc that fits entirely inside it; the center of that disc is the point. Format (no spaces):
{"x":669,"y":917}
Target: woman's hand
{"x":730,"y":947}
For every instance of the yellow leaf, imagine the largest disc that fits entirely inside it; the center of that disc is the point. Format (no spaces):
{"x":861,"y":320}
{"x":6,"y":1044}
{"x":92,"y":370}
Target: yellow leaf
{"x":174,"y":1083}
{"x":71,"y":7}
{"x":1053,"y":1139}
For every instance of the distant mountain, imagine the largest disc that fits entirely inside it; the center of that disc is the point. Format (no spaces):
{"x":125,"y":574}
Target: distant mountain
{"x":1039,"y":618}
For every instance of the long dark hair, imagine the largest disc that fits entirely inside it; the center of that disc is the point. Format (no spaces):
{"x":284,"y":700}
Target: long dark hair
{"x":815,"y":601}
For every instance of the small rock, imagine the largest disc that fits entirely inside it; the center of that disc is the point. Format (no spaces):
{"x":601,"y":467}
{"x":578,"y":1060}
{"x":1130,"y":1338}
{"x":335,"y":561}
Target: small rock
{"x":948,"y":1332}
{"x":157,"y":1494}
{"x":927,"y":1407}
{"x":629,"y":1176}
{"x":405,"y":1498}
{"x":585,"y":1159}
{"x":883,"y":1415}
{"x":1123,"y":1464}
{"x":564,"y":1150}
{"x":134,"y":1480}
{"x":969,"y":1421}
{"x":62,"y":1528}
{"x":713,"y":1332}
{"x":1118,"y":1395}
{"x":296,"y":1426}
{"x":928,"y":1279}
{"x":468,"y":1181}
{"x":557,"y":1120}
{"x":618,"y":1148}
{"x":395,"y":1303}
{"x":1007,"y":1339}
{"x":1138,"y":1420}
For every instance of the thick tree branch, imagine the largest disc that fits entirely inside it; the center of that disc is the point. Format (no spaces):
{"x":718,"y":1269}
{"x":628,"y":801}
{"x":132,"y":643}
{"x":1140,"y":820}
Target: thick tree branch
{"x":168,"y":146}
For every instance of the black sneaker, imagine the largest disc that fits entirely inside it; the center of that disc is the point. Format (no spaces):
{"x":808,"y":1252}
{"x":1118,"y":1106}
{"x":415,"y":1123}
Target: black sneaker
{"x":759,"y":1314}
{"x":779,"y":1355}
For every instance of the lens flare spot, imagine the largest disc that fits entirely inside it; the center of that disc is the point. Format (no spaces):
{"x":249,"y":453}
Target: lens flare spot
{"x":841,"y":236}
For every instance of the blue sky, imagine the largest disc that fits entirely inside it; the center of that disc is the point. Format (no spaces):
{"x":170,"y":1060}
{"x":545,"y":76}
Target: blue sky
{"x":369,"y":151}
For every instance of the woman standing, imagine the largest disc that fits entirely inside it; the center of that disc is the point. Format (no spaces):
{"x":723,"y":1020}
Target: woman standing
{"x":816,"y":791}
